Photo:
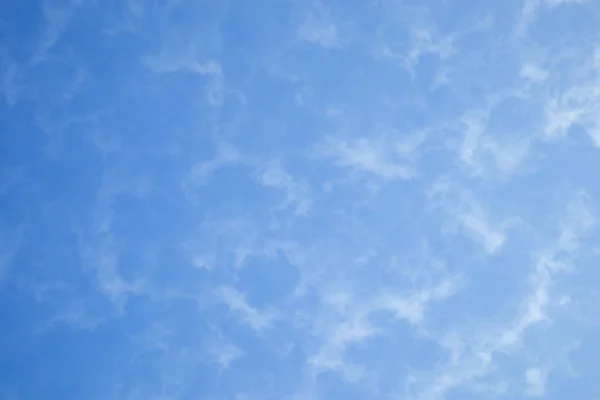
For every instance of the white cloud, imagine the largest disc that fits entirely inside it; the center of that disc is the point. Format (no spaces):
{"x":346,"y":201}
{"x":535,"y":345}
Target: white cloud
{"x":127,"y":22}
{"x":97,"y":244}
{"x":412,"y":307}
{"x":163,"y":64}
{"x":348,"y":320}
{"x":175,"y":60}
{"x":472,"y":352}
{"x":338,"y":337}
{"x":559,"y":119}
{"x":255,"y":319}
{"x":319,"y":30}
{"x":75,"y":317}
{"x":442,"y":78}
{"x":224,"y":353}
{"x":534,"y":73}
{"x":204,"y":260}
{"x":580,"y":218}
{"x":531,"y":8}
{"x":534,"y":307}
{"x":535,"y":380}
{"x":226,"y":155}
{"x":155,"y":337}
{"x":201,"y":172}
{"x":57,"y":19}
{"x":577,"y":104}
{"x":485,"y":155}
{"x":465,"y":211}
{"x":385,"y":159}
{"x":227,"y":243}
{"x":100,"y":256}
{"x":425,"y":42}
{"x":272,"y":175}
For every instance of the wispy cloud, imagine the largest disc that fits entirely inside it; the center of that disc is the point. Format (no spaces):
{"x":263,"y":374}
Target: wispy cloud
{"x":534,"y":73}
{"x":57,"y":18}
{"x":386,"y":159}
{"x":176,"y":61}
{"x":75,"y":317}
{"x":223,"y":352}
{"x":580,"y":218}
{"x":532,"y":7}
{"x":465,"y":211}
{"x":349,"y":320}
{"x":318,"y":28}
{"x":272,"y":175}
{"x":347,"y":325}
{"x":535,"y":380}
{"x":547,"y":265}
{"x":576,"y":104}
{"x":97,"y":245}
{"x":232,"y":242}
{"x":202,"y":171}
{"x":424,"y":41}
{"x":472,"y":358}
{"x":483,"y":154}
{"x":163,"y":64}
{"x":254,"y":318}
{"x":413,"y":306}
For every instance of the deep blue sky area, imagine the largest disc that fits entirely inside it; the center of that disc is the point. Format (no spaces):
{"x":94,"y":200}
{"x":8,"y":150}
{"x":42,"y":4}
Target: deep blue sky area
{"x":301,"y":200}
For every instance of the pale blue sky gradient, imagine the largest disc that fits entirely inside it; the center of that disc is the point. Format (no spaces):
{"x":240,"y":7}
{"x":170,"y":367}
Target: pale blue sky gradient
{"x":289,"y":199}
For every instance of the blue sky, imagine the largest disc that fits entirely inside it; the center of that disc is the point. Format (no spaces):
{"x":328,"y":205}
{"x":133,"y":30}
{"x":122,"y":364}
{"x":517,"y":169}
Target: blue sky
{"x":299,"y":199}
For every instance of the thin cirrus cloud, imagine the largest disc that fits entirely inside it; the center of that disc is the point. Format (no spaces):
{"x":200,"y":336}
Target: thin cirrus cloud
{"x":367,"y":200}
{"x":379,"y":157}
